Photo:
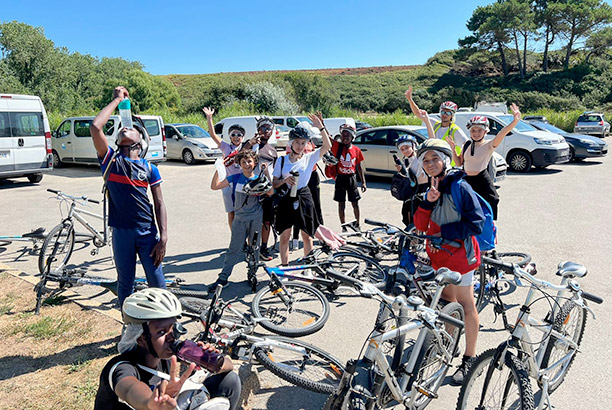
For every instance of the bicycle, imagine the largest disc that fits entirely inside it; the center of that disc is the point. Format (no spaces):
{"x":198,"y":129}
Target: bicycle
{"x":297,"y":362}
{"x":381,"y":243}
{"x":411,"y":376}
{"x":501,"y":375}
{"x":68,"y":278}
{"x":35,"y":236}
{"x":64,"y":233}
{"x":291,"y":308}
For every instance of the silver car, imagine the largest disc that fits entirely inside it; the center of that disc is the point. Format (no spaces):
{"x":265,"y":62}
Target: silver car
{"x":592,"y":123}
{"x":190,"y":143}
{"x":378,"y":147}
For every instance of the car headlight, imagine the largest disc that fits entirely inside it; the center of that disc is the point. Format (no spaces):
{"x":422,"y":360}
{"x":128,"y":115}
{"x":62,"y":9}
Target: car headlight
{"x":543,"y":141}
{"x":201,"y":146}
{"x":587,"y":142}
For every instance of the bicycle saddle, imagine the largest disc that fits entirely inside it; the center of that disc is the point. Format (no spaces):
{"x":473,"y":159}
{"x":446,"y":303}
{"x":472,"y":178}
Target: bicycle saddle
{"x":36,"y":233}
{"x":569,"y":269}
{"x":447,"y":276}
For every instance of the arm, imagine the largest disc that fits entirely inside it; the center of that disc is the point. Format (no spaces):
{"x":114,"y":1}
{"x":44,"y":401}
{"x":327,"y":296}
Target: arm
{"x":504,"y":131}
{"x":97,"y":125}
{"x":361,"y":173}
{"x":457,"y":158}
{"x":317,"y":121}
{"x":415,"y":108}
{"x":209,"y":112}
{"x":422,"y":115}
{"x":159,"y":251}
{"x":215,"y":184}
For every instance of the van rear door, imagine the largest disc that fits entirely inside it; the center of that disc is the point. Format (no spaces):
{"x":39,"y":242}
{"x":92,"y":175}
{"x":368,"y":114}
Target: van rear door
{"x":29,"y":145}
{"x":82,"y":144}
{"x":7,"y":159}
{"x":154,"y":126}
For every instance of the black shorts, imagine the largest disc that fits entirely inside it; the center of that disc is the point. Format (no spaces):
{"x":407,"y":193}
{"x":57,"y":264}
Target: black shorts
{"x":267,"y":204}
{"x":298,"y":211}
{"x":346,"y":185}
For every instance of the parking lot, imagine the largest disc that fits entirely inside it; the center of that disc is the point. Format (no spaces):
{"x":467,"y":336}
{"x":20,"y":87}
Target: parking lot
{"x":555,"y":214}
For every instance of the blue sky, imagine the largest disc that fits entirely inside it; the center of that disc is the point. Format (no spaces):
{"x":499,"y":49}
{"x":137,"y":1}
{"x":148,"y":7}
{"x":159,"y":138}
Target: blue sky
{"x":193,"y":37}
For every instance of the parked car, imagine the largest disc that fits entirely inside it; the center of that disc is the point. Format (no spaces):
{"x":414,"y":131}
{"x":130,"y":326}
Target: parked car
{"x":539,"y":118}
{"x":378,"y":147}
{"x":333,"y":124}
{"x":72,"y":140}
{"x":249,"y":123}
{"x":282,"y":135}
{"x":525,"y":146}
{"x":581,"y":146}
{"x":25,"y":137}
{"x":362,"y":125}
{"x":292,"y":120}
{"x":592,"y":123}
{"x":190,"y":143}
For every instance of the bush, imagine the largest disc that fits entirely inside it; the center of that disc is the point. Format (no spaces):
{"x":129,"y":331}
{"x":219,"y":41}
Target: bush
{"x":268,"y":98}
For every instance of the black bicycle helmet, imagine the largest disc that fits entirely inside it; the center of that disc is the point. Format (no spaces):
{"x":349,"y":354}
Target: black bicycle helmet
{"x":329,"y":159}
{"x":258,"y":186}
{"x":299,"y":133}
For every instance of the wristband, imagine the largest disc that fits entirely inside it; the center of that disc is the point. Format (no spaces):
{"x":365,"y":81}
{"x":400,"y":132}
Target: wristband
{"x":322,"y":128}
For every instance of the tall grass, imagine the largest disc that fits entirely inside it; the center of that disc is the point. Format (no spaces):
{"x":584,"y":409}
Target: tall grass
{"x":564,"y":120}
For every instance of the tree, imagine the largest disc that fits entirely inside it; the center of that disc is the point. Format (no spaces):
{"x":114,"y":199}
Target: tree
{"x":599,"y":43}
{"x":580,"y":18}
{"x":519,"y":19}
{"x":548,"y":18}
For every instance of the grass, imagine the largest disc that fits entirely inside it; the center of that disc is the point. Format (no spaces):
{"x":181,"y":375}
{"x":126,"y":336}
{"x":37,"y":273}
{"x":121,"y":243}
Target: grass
{"x":78,"y":365}
{"x":7,"y":304}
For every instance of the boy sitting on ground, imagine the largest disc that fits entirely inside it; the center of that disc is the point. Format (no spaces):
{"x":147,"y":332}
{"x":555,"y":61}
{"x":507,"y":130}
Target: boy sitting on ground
{"x":247,"y":211}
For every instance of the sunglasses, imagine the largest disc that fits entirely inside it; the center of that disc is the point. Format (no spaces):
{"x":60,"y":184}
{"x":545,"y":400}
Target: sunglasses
{"x":446,"y":113}
{"x":265,"y":129}
{"x":237,"y":134}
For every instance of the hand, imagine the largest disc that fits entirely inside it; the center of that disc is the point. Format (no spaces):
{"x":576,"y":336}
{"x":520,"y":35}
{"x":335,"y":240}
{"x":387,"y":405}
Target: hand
{"x":290,"y":180}
{"x":317,"y":119}
{"x":158,"y":252}
{"x":209,"y":112}
{"x":165,"y":392}
{"x":120,"y":92}
{"x":451,"y":142}
{"x":422,"y":115}
{"x":399,"y":168}
{"x":432,"y":193}
{"x":255,"y":140}
{"x":515,"y":111}
{"x":263,"y":167}
{"x":208,"y":347}
{"x":363,"y":187}
{"x":408,"y":93}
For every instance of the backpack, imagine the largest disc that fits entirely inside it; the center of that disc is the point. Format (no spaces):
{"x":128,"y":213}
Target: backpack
{"x":404,"y":187}
{"x":486,"y":239}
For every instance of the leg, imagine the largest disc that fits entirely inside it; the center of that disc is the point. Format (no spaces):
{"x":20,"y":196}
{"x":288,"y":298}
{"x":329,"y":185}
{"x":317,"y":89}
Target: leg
{"x":341,"y":208}
{"x":307,"y":239}
{"x":124,"y":250}
{"x":239,"y":235}
{"x":284,"y":246}
{"x":230,"y":219}
{"x":356,"y":211}
{"x":144,"y":246}
{"x":465,"y":296}
{"x":354,"y":196}
{"x":225,"y":385}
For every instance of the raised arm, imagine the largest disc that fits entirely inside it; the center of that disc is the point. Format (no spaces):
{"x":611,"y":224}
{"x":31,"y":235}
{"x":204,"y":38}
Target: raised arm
{"x":215,"y":184}
{"x":97,"y":125}
{"x":209,"y":112}
{"x":317,"y":121}
{"x":504,"y":131}
{"x":415,"y":108}
{"x":422,"y":115}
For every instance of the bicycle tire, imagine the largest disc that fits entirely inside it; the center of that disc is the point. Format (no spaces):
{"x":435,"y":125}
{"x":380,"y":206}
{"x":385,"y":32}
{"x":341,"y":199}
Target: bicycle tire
{"x":482,"y":276}
{"x":512,"y":373}
{"x":177,"y":291}
{"x":578,"y":316}
{"x":320,"y":372}
{"x":369,"y":270}
{"x":63,"y":251}
{"x":480,"y":285}
{"x":198,"y":306}
{"x":306,"y":315}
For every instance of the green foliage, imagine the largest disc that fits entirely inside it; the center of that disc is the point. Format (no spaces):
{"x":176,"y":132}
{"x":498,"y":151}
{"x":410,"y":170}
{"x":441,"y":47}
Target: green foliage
{"x":268,"y":98}
{"x":564,"y":120}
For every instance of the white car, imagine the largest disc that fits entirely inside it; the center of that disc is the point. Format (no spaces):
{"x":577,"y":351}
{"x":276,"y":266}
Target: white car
{"x":190,"y":143}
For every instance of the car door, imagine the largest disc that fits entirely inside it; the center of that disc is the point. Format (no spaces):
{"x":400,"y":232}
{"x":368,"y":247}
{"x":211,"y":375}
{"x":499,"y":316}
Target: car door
{"x":375,"y":150}
{"x":29,"y":143}
{"x":172,"y":143}
{"x":7,"y":158}
{"x":62,"y":142}
{"x":82,"y":145}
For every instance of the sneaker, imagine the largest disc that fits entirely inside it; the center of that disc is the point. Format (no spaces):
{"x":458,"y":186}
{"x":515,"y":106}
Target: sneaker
{"x":213,"y":286}
{"x":462,"y":370}
{"x":264,"y":254}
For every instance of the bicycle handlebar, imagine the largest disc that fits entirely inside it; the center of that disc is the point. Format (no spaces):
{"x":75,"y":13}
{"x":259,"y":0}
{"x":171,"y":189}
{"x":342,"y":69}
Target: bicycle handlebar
{"x":592,"y":298}
{"x":436,"y":241}
{"x":74,"y":198}
{"x":450,"y":320}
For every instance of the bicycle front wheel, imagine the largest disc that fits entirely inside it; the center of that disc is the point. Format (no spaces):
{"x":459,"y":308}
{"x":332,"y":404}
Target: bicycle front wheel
{"x":571,"y":322}
{"x":313,"y":369}
{"x":296,"y":310}
{"x":508,"y":387}
{"x":359,"y":267}
{"x":56,"y":248}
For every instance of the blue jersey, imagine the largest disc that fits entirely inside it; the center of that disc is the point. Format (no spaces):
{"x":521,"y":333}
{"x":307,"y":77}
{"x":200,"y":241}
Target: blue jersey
{"x":127,"y":182}
{"x":245,"y":206}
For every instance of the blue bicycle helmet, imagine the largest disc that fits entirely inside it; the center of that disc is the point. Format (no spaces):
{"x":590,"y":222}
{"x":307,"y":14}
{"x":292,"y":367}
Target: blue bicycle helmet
{"x":406,"y":139}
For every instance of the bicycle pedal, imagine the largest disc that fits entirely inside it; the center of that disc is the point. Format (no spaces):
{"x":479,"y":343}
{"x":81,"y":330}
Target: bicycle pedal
{"x":426,"y":392}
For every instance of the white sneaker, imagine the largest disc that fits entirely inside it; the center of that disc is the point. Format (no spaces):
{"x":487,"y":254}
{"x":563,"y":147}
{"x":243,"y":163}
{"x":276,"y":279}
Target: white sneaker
{"x":216,"y":403}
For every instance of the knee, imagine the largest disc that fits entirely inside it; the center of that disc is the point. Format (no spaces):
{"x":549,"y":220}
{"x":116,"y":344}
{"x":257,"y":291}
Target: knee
{"x":231,"y":384}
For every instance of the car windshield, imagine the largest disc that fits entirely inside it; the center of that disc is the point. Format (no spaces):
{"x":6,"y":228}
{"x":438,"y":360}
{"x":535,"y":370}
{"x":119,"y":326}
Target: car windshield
{"x":422,"y":131}
{"x":300,"y":119}
{"x":551,"y":128}
{"x":193,"y":131}
{"x":522,"y":126}
{"x":589,"y":118}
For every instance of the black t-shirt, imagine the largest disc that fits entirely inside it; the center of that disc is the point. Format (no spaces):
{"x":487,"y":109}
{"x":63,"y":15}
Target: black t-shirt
{"x":106,"y":398}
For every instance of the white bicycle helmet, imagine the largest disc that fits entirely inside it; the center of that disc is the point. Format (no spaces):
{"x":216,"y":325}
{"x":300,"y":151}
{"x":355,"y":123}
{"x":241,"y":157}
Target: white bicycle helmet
{"x":258,"y":186}
{"x":448,"y":105}
{"x":329,"y":159}
{"x":150,"y":304}
{"x":479,"y":121}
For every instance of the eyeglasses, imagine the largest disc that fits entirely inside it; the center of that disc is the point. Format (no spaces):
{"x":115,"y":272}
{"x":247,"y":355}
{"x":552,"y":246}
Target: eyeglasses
{"x":446,"y":113}
{"x":265,"y":129}
{"x":237,"y":134}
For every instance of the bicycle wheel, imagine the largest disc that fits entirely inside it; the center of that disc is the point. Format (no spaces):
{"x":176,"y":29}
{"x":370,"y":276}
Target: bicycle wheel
{"x":296,"y":310}
{"x":360,"y":267}
{"x":317,"y":370}
{"x":571,"y":322}
{"x":177,"y":291}
{"x":481,"y":284}
{"x":508,"y":386}
{"x":58,"y":246}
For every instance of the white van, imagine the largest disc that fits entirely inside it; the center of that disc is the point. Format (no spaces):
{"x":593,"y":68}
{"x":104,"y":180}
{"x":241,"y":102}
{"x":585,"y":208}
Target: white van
{"x":524,"y":146}
{"x":333,"y":124}
{"x":25,"y":137}
{"x":72,"y":140}
{"x":249,"y":123}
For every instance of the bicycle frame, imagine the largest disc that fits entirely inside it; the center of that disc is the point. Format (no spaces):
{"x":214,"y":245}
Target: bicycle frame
{"x":76,"y":212}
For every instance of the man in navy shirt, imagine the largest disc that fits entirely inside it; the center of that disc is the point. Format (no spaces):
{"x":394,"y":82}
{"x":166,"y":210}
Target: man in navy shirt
{"x":130,"y":213}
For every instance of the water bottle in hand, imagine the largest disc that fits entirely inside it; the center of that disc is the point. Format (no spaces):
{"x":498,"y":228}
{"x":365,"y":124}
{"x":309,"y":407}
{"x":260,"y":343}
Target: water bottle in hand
{"x":125,"y":112}
{"x":190,"y":352}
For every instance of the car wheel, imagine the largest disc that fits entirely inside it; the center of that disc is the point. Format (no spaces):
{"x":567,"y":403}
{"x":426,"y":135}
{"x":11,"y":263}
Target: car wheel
{"x":188,"y":157}
{"x":603,"y":134}
{"x":57,"y":162}
{"x":35,"y":178}
{"x":519,"y":161}
{"x":572,"y":155}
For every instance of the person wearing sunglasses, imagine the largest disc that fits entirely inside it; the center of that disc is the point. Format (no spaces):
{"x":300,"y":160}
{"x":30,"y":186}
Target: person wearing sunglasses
{"x":267,"y":156}
{"x":445,"y":129}
{"x":236,"y":134}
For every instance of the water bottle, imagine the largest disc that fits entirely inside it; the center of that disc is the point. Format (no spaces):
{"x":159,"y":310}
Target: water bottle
{"x":190,"y":352}
{"x":404,"y":171}
{"x":296,"y":175}
{"x":125,"y":112}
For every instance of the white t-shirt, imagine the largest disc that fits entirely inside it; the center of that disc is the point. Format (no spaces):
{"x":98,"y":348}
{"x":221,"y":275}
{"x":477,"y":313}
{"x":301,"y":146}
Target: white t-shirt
{"x":304,"y":166}
{"x":459,"y":136}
